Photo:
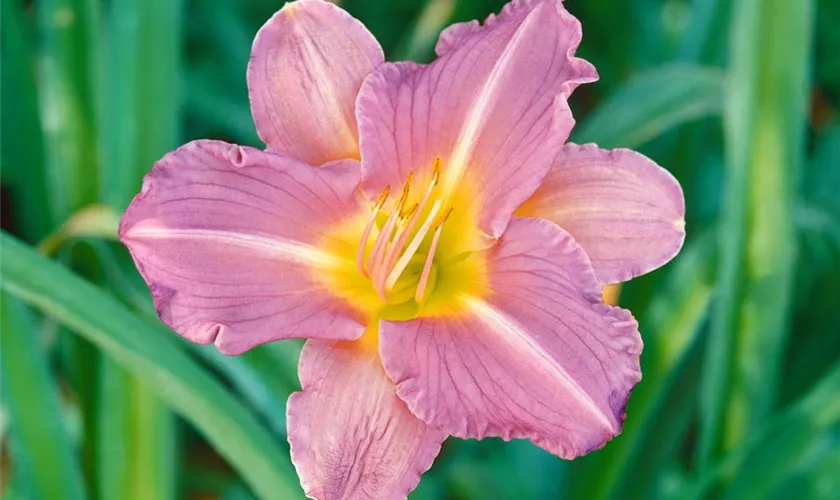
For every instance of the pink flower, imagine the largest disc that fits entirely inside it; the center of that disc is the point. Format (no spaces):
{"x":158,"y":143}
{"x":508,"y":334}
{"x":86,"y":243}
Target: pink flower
{"x":430,"y":233}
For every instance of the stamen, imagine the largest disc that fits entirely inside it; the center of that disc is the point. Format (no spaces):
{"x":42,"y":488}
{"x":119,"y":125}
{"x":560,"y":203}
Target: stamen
{"x":407,"y":185}
{"x":397,"y":247}
{"x":420,"y":293}
{"x":436,"y":171}
{"x":360,"y":252}
{"x":382,"y":239}
{"x":382,"y":197}
{"x":408,"y":213}
{"x":381,"y":269}
{"x":409,"y":252}
{"x":445,"y":216}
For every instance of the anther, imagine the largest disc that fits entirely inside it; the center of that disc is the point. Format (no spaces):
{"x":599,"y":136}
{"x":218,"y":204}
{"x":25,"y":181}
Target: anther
{"x":436,"y":171}
{"x":408,"y":213}
{"x":408,"y":180}
{"x":382,"y":197}
{"x":445,"y":216}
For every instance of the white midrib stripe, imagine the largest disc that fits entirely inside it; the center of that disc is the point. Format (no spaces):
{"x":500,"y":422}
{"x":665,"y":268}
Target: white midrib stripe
{"x":478,"y":111}
{"x":323,"y":81}
{"x":273,"y":246}
{"x":512,"y":333}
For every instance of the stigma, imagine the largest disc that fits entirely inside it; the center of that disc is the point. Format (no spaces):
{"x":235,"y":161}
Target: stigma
{"x":401,"y":237}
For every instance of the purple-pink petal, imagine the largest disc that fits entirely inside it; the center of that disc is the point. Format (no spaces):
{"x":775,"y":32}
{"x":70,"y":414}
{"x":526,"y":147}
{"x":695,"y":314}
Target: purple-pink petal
{"x":540,"y":357}
{"x":626,"y":211}
{"x":227,"y":239}
{"x":307,"y":64}
{"x":492,"y":108}
{"x":351,"y":437}
{"x":454,"y":34}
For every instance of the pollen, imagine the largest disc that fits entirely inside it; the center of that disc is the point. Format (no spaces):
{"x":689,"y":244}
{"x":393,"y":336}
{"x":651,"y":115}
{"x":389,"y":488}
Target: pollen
{"x":411,"y":252}
{"x":408,"y":230}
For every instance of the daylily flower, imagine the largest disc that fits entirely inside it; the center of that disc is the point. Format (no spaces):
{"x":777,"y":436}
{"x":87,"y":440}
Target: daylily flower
{"x":429,"y":232}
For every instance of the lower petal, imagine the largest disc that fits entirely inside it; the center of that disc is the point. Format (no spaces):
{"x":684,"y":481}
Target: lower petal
{"x":351,"y":436}
{"x":626,"y":211}
{"x":539,"y":357}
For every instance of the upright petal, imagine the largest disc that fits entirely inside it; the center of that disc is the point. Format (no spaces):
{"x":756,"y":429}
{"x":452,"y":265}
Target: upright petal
{"x":453,"y":35}
{"x":307,"y":64}
{"x":493,"y":109}
{"x":228,"y":238}
{"x":626,"y":211}
{"x":538,"y":357}
{"x":351,"y":436}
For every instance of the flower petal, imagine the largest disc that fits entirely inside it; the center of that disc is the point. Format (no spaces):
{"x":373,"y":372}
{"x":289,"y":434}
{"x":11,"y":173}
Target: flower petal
{"x":493,"y":110}
{"x":307,"y":64}
{"x":351,"y":436}
{"x":453,"y":34}
{"x":226,"y":237}
{"x":540,"y":357}
{"x":626,"y":211}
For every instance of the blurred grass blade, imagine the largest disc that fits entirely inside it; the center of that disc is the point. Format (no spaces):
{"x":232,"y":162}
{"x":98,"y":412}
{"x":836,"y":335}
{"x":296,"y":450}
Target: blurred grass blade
{"x":137,"y":432}
{"x":669,"y":328}
{"x":148,"y":353}
{"x":705,"y":37}
{"x":419,"y":43}
{"x":763,"y":462}
{"x":21,"y":145}
{"x":265,"y":376}
{"x":136,"y":456}
{"x":653,"y":103}
{"x":67,"y":87}
{"x":213,"y":104}
{"x":765,"y":120}
{"x":41,"y":448}
{"x":143,"y":93}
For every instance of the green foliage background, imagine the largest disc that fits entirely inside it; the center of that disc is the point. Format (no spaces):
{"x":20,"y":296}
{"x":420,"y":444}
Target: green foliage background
{"x":741,"y":390}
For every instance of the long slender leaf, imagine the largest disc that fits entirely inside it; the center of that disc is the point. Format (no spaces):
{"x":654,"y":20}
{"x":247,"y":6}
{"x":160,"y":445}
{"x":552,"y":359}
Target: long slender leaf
{"x":418,"y":44}
{"x":136,"y":454}
{"x":41,"y":446}
{"x":705,"y":36}
{"x":651,"y":104}
{"x":67,"y":93}
{"x":21,"y":145}
{"x":765,"y":460}
{"x":137,"y":431}
{"x":765,"y":122}
{"x":68,"y":85}
{"x":148,"y":353}
{"x":143,"y":93}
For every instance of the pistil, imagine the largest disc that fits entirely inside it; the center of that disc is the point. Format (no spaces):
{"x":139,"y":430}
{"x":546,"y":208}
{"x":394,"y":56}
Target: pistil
{"x":398,"y":242}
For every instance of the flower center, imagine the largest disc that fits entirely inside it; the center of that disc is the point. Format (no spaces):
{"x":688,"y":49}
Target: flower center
{"x":406,"y":230}
{"x":410,"y":256}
